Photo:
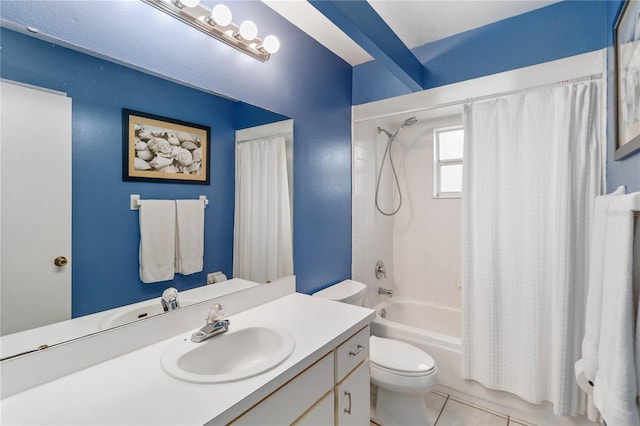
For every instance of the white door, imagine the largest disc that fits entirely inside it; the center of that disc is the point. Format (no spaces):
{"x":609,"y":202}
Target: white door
{"x":35,"y":204}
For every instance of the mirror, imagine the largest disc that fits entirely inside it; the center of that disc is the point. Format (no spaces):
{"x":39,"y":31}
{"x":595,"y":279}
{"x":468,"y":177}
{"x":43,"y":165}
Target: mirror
{"x":103,"y":262}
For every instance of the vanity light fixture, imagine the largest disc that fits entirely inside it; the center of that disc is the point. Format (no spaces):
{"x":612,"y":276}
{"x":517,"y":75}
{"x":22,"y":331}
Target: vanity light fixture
{"x":217,"y":24}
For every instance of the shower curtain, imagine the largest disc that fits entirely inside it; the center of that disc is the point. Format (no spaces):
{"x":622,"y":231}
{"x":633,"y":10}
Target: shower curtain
{"x":533,"y":165}
{"x":262,"y":246}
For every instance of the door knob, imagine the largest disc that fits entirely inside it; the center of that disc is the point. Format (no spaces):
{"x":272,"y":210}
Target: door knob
{"x":60,"y":261}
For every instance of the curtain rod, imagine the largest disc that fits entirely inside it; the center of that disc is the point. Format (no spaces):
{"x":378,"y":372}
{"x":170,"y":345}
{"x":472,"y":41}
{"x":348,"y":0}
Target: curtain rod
{"x":284,"y":135}
{"x":481,"y":98}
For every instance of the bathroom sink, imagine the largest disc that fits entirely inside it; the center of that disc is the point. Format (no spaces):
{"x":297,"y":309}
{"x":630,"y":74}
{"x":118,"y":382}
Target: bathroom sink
{"x":137,"y":312}
{"x":235,"y":355}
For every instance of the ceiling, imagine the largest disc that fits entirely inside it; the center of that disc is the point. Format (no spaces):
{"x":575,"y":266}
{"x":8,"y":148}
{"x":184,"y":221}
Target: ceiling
{"x":415,"y":22}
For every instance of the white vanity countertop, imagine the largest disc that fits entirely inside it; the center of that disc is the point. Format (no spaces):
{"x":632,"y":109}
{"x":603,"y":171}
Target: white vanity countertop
{"x":133,"y":389}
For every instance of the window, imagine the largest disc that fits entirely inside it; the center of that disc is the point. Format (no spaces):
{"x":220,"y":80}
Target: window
{"x":448,"y":147}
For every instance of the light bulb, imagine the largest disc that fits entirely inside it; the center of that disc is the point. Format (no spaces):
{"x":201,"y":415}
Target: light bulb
{"x":248,"y":30}
{"x":271,"y":44}
{"x":221,"y":15}
{"x":189,"y":3}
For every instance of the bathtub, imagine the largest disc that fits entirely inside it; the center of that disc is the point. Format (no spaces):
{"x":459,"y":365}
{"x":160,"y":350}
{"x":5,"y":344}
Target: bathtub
{"x":437,"y":331}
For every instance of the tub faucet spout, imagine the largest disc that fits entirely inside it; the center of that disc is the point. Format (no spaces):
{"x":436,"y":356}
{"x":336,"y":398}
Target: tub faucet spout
{"x":385,"y":291}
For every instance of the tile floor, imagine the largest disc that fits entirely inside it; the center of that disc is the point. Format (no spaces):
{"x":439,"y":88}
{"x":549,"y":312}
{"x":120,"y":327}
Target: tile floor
{"x":445,"y":410}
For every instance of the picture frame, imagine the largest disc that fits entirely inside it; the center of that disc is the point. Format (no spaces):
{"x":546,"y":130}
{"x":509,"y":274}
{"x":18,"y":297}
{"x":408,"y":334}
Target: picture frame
{"x":162,"y":149}
{"x":627,"y":72}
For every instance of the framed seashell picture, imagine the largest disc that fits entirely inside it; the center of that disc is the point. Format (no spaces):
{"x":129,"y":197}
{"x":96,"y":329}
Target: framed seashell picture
{"x":161,"y":149}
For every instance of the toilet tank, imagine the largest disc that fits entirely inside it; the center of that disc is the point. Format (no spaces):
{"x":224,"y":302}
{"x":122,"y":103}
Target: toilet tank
{"x":347,"y":291}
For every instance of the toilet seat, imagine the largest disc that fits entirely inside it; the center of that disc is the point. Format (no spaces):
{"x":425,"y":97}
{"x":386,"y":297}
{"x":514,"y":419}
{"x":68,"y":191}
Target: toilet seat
{"x":401,"y":367}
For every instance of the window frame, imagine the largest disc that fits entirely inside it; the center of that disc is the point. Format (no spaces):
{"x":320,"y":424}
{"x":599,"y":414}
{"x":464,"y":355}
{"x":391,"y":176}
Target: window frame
{"x":437,"y":163}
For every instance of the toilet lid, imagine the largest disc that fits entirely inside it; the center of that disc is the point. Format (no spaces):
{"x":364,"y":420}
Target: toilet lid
{"x":399,"y":356}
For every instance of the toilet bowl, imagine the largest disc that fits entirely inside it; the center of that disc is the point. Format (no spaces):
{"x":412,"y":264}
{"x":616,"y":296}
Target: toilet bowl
{"x":402,"y":373}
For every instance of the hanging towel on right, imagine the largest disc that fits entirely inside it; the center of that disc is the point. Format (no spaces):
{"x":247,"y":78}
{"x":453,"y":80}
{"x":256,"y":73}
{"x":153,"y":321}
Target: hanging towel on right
{"x":615,"y":389}
{"x":190,"y":236}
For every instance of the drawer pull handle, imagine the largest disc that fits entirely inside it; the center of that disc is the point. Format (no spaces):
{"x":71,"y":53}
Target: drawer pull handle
{"x":348,"y":410}
{"x":358,"y":350}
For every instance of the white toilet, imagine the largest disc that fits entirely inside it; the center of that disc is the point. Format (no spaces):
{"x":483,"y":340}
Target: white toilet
{"x":402,"y":372}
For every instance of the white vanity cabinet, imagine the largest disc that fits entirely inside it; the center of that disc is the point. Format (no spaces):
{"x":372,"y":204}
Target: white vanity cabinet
{"x":352,"y":380}
{"x":332,"y":391}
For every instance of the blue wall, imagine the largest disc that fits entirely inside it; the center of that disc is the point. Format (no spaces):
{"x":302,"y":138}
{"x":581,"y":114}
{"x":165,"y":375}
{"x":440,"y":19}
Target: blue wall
{"x":105,"y":231}
{"x":251,"y":116}
{"x":560,"y":30}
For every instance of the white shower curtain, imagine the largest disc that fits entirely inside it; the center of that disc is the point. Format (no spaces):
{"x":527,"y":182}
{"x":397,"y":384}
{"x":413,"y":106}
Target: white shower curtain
{"x":533,"y":165}
{"x":262,"y":246}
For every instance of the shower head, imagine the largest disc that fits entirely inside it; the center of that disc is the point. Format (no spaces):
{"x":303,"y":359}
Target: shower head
{"x":409,"y":122}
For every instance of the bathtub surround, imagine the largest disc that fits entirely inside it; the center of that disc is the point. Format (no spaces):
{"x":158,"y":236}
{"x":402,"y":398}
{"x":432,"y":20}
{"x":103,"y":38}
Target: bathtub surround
{"x":426,"y":234}
{"x":413,"y":269}
{"x":533,"y":167}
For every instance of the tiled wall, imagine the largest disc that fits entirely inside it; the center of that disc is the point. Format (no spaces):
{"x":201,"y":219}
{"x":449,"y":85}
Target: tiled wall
{"x":372,"y":232}
{"x":420,"y":245}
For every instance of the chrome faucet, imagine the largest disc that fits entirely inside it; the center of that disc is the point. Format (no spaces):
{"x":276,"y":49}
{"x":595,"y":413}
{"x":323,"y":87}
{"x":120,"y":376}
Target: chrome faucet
{"x":170,"y":299}
{"x":213,"y":326}
{"x":386,"y":291}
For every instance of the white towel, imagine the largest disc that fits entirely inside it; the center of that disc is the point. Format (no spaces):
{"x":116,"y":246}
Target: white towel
{"x":157,"y":240}
{"x":615,"y":388}
{"x":596,"y":275}
{"x":190,"y":236}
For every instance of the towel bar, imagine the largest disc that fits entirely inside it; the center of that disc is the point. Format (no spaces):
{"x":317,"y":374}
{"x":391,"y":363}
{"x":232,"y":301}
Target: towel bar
{"x":134,"y":201}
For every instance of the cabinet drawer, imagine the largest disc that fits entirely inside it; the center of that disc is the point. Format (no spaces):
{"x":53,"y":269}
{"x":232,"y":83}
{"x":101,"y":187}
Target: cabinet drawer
{"x":289,"y":402}
{"x":351,"y":353}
